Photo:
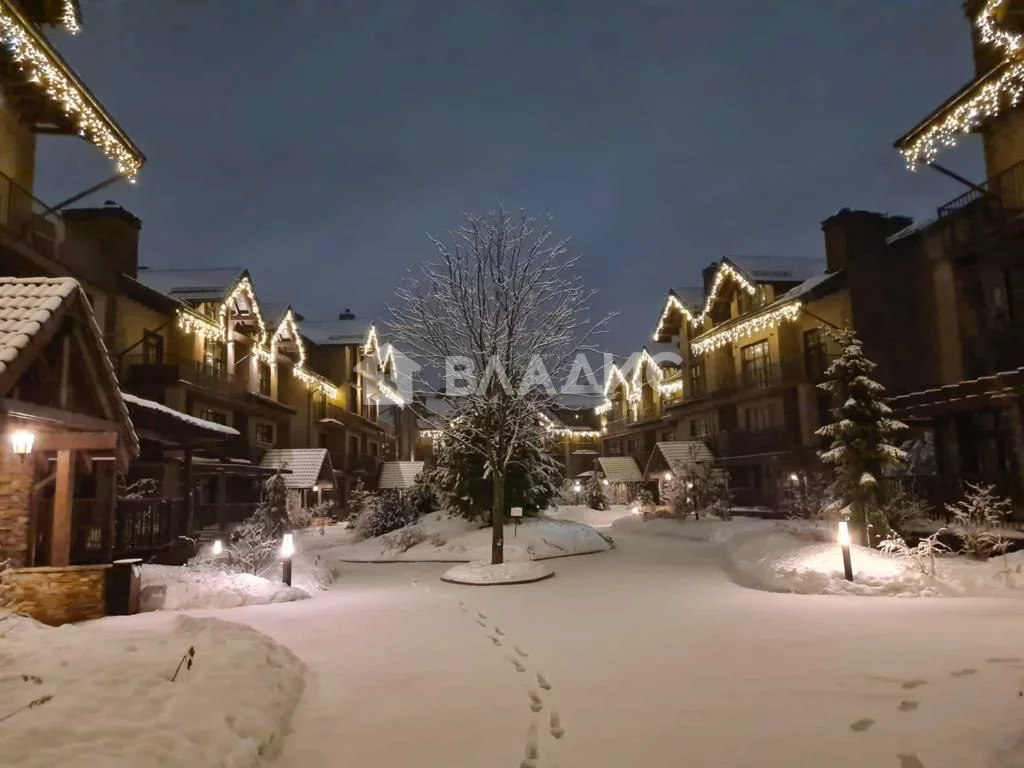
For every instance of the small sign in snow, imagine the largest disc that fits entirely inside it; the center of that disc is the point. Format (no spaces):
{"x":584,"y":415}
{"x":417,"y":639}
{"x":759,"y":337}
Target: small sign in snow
{"x":517,"y":511}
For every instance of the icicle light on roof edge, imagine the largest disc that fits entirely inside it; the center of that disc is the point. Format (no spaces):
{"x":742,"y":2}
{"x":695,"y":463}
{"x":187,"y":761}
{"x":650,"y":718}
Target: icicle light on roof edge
{"x":717,"y":339}
{"x":725,"y":270}
{"x":1004,"y":92}
{"x":45,"y":71}
{"x":68,"y":18}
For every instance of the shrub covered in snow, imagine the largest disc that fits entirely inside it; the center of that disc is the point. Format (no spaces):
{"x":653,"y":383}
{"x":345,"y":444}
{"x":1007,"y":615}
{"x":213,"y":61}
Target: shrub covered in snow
{"x":698,"y":488}
{"x":922,"y":556}
{"x":975,"y":515}
{"x":422,"y":496}
{"x":596,"y":497}
{"x":384,"y":512}
{"x":810,"y":498}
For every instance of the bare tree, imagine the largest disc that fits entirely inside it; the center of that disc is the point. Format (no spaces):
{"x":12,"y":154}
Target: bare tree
{"x":503,"y":305}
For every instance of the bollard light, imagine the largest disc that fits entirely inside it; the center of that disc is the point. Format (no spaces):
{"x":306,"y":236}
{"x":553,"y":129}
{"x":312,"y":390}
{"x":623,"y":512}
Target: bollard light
{"x":604,"y":481}
{"x":22,"y":441}
{"x":794,"y":478}
{"x":287,"y":550}
{"x":218,"y":546}
{"x":668,"y":477}
{"x":577,"y":487}
{"x":843,"y":537}
{"x":316,"y":489}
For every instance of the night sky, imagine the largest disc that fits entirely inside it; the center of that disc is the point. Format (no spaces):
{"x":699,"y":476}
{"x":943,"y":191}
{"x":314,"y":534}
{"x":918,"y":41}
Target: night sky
{"x":316,"y":142}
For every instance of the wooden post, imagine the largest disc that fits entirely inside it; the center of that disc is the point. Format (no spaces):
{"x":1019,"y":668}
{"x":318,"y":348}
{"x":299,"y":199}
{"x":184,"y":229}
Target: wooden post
{"x":188,"y":494}
{"x":111,"y":522}
{"x":222,"y":499}
{"x":60,"y":530}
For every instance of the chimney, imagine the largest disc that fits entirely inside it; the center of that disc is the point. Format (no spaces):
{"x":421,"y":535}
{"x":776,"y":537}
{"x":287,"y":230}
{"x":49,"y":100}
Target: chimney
{"x":102,"y":241}
{"x":346,"y":315}
{"x":849,"y":233}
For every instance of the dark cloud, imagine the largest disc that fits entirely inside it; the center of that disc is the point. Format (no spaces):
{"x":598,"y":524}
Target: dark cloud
{"x":317,"y":141}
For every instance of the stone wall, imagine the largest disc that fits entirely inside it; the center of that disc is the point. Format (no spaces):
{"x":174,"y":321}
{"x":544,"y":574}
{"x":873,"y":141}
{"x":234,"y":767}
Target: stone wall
{"x":15,"y":505}
{"x":58,"y":595}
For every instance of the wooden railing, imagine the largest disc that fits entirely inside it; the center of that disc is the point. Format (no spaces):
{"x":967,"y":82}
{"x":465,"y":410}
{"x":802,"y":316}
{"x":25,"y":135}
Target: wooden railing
{"x":28,"y":219}
{"x":1002,"y":193}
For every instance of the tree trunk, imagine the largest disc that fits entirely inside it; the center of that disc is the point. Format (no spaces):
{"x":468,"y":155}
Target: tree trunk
{"x":498,"y":519}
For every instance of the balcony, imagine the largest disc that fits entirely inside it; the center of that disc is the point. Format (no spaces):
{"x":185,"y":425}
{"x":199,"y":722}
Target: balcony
{"x":151,"y":378}
{"x":1001,"y":195}
{"x":28,"y":220}
{"x":756,"y":379}
{"x":744,"y":442}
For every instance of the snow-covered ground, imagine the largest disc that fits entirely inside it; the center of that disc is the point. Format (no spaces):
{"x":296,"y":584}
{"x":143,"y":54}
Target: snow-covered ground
{"x":439,"y":538}
{"x":167,"y":587}
{"x":112,"y":702}
{"x":484,"y":573}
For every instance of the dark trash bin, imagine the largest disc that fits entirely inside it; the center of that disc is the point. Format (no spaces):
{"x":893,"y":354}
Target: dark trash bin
{"x":124,"y":582}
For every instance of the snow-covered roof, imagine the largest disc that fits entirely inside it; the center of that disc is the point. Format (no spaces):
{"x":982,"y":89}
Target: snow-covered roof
{"x":27,"y":304}
{"x":692,"y":296}
{"x":195,"y":421}
{"x":620,"y":469}
{"x":305,"y":464}
{"x":806,"y":287}
{"x":767,"y":269}
{"x":348,"y":331}
{"x":399,"y":474}
{"x":209,"y":284}
{"x":679,"y":455}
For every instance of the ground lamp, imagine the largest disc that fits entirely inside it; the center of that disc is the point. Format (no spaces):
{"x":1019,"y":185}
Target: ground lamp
{"x":218,"y":547}
{"x":668,"y":477}
{"x":287,"y":550}
{"x":844,"y":543}
{"x":22,"y":441}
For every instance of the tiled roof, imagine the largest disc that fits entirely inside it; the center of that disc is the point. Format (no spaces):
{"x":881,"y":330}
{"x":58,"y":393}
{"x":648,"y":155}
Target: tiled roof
{"x":399,"y":474}
{"x":778,"y":268}
{"x":352,"y":331}
{"x":304,"y":464}
{"x":679,"y":455}
{"x":620,"y":469}
{"x":27,"y":304}
{"x":191,"y":284}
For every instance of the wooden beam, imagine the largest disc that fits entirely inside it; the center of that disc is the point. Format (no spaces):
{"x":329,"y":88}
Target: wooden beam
{"x":69,"y":419}
{"x":76,"y":441}
{"x":60,"y":529}
{"x":64,"y":393}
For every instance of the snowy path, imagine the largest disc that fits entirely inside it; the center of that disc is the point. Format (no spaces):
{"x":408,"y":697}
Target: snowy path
{"x":648,"y":651}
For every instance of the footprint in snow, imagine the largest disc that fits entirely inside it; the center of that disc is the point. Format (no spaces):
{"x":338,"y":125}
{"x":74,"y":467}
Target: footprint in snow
{"x":532,"y":750}
{"x":910,"y":685}
{"x":499,"y":631}
{"x":543,"y":681}
{"x":556,"y":726}
{"x":908,"y":706}
{"x":521,"y":652}
{"x":910,"y":761}
{"x":481,"y":622}
{"x":963,"y":672}
{"x":859,"y":726}
{"x":520,"y":667}
{"x":536,"y":703}
{"x":496,"y":640}
{"x":462,"y":607}
{"x":1003,"y":660}
{"x":481,"y":615}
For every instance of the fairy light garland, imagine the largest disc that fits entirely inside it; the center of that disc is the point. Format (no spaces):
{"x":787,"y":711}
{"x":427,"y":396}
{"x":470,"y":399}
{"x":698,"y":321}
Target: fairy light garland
{"x":717,"y":339}
{"x":390,"y":394}
{"x":725,"y":271}
{"x":197,"y":325}
{"x":37,"y":61}
{"x":69,"y":19}
{"x":988,"y":100}
{"x":670,"y":387}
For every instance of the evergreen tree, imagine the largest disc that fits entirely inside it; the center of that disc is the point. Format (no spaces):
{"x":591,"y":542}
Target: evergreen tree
{"x":596,"y":497}
{"x":463,"y":485}
{"x":859,"y":437}
{"x":271,"y":514}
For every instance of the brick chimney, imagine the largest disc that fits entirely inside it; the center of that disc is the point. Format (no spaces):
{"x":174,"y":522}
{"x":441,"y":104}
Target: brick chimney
{"x":849,"y":233}
{"x":101,"y":243}
{"x":348,"y":314}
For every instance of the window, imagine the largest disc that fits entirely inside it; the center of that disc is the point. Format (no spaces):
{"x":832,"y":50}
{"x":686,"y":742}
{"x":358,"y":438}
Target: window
{"x":755,"y":365}
{"x":321,"y":440}
{"x":759,"y":418}
{"x":815,"y":354}
{"x":697,"y":380}
{"x":264,"y":377}
{"x":217,"y":417}
{"x":265,"y":434}
{"x":700,"y":426}
{"x":213,"y":358}
{"x":152,"y":347}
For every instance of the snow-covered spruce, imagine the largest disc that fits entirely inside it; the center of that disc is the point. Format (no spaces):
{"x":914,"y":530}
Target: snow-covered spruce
{"x":504,"y":300}
{"x":860,"y":434}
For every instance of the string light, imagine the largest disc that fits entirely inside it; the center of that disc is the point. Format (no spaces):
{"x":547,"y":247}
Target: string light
{"x":670,"y":387}
{"x":603,"y":407}
{"x":33,"y":55}
{"x":718,"y":339}
{"x":390,"y":394}
{"x":197,"y":325}
{"x":983,"y":101}
{"x":725,"y":270}
{"x":69,"y":19}
{"x":573,"y":432}
{"x":315,"y":382}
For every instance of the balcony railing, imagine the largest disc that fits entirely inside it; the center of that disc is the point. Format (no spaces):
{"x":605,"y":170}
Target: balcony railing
{"x":757,"y":378}
{"x":745,"y":442}
{"x":28,"y":220}
{"x":1003,"y":193}
{"x":143,"y":373}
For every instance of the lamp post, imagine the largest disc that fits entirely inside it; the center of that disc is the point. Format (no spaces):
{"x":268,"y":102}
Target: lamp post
{"x":844,"y":543}
{"x":287,"y":550}
{"x":22,"y":441}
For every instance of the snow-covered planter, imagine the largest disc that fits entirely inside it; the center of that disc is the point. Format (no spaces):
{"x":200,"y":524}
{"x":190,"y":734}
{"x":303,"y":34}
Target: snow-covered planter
{"x":483,"y":573}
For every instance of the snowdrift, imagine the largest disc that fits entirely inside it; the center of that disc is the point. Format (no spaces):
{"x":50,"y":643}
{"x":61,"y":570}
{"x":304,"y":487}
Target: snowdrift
{"x":175,"y":588}
{"x":484,"y":573}
{"x":113,"y":703}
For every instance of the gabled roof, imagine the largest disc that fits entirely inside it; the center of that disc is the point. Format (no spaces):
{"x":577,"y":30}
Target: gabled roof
{"x":210,"y":284}
{"x":620,"y":469}
{"x":195,"y":424}
{"x":31,"y":310}
{"x":691,"y":296}
{"x":399,"y":474}
{"x":305,"y":465}
{"x":677,"y":456}
{"x":342,"y":332}
{"x":769,"y":269}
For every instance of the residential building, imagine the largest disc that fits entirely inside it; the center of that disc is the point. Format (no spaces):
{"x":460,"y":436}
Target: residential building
{"x":734,"y":365}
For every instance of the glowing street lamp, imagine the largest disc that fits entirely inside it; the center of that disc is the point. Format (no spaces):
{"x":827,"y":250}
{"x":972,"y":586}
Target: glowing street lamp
{"x":22,"y":441}
{"x":668,"y":477}
{"x":218,"y":547}
{"x":287,"y":550}
{"x":844,"y":542}
{"x":794,"y":478}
